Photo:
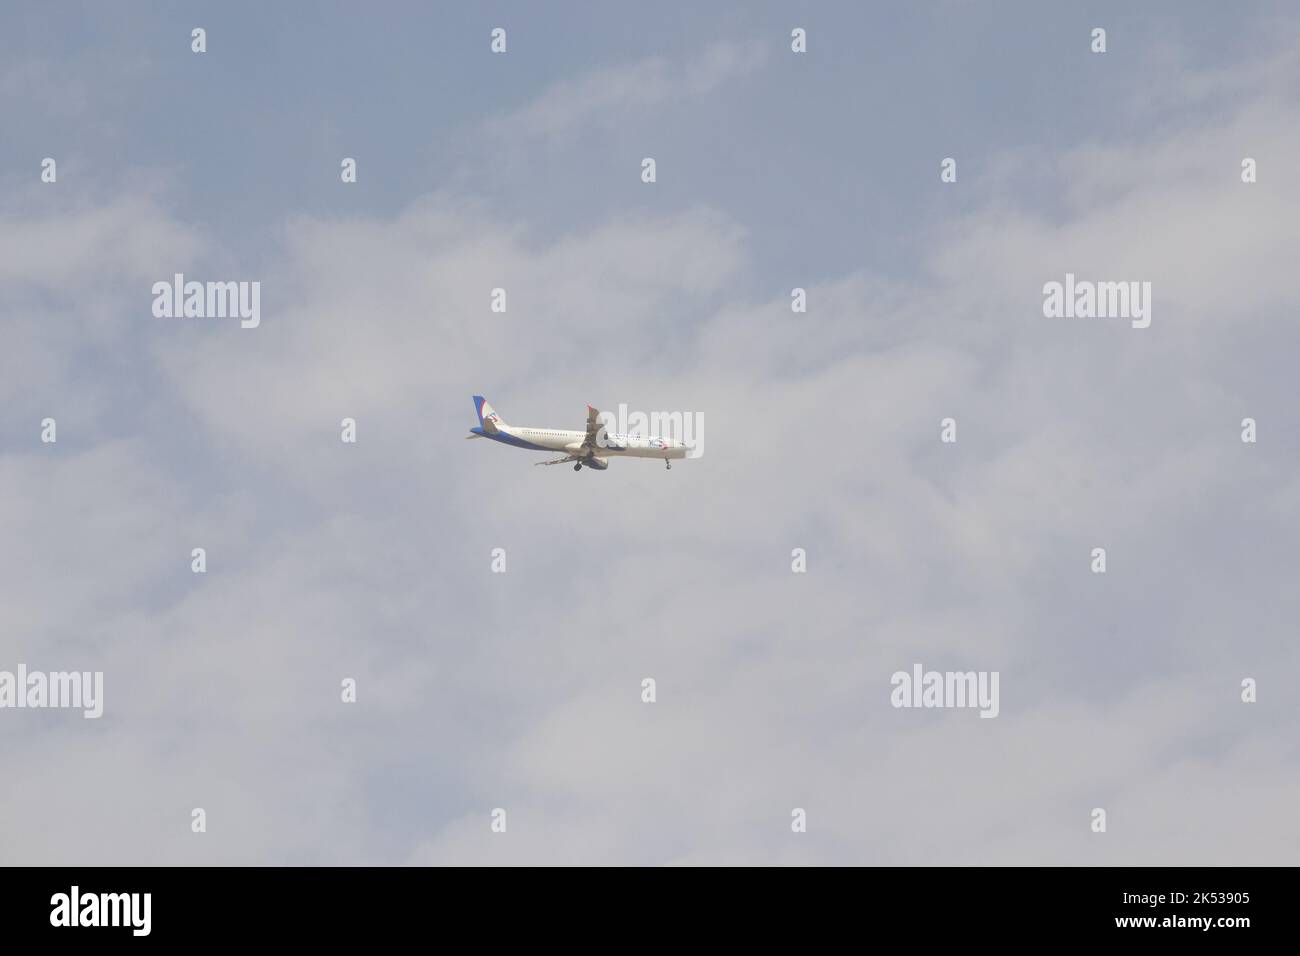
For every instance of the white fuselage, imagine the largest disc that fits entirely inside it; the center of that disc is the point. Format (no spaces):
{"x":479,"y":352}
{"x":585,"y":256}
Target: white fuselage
{"x":570,"y":441}
{"x":590,"y":448}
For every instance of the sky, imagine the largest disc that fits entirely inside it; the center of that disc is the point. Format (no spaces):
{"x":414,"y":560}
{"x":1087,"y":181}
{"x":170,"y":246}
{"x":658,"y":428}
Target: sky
{"x":522,"y":691}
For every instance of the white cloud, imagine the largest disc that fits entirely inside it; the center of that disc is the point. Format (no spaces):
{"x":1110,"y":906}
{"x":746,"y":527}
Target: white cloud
{"x":613,"y":91}
{"x":522,"y":690}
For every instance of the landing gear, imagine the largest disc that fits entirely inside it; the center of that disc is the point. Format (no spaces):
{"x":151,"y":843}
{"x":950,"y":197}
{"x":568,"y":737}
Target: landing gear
{"x":578,"y":467}
{"x":667,"y":463}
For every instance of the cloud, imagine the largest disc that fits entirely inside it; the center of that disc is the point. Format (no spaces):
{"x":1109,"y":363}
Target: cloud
{"x":522,"y":690}
{"x":613,"y":91}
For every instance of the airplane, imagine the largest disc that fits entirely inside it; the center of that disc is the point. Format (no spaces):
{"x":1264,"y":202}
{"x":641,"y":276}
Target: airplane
{"x":580,"y":447}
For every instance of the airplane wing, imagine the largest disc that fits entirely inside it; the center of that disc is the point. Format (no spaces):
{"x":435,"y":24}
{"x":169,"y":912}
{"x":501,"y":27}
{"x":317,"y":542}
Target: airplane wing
{"x":557,"y":461}
{"x":593,"y":427}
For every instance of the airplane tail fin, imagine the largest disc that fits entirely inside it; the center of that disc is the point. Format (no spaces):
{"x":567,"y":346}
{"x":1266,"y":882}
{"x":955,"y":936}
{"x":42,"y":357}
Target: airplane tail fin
{"x":488,"y":418}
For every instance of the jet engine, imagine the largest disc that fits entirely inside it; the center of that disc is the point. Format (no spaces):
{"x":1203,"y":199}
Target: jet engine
{"x":600,"y":464}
